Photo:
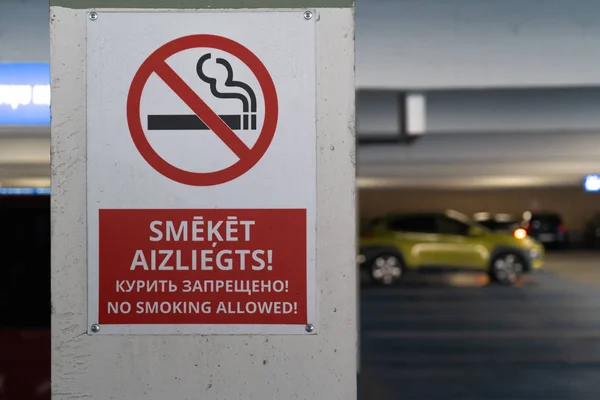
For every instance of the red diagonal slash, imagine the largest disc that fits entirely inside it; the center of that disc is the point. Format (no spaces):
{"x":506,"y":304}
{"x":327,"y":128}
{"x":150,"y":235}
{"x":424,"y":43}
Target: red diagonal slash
{"x":201,"y":109}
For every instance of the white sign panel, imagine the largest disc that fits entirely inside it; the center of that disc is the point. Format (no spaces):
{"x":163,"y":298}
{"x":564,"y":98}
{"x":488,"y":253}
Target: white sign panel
{"x":201,"y":135}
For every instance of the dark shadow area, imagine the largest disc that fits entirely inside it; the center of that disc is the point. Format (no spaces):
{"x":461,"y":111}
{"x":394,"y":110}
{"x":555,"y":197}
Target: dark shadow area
{"x":25,"y":297}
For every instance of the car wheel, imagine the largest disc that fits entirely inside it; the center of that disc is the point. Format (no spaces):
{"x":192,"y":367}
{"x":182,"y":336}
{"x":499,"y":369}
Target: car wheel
{"x":507,"y":268}
{"x":387,"y":269}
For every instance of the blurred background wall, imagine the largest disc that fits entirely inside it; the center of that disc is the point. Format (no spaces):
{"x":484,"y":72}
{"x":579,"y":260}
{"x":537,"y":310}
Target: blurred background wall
{"x":24,"y":31}
{"x":443,"y":44}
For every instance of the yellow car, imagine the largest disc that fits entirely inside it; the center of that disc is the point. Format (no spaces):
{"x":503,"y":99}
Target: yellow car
{"x":395,"y":244}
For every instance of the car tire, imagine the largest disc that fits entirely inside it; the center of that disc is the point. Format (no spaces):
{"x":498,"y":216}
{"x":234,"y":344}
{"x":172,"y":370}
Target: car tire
{"x":386,"y":269}
{"x":507,"y":268}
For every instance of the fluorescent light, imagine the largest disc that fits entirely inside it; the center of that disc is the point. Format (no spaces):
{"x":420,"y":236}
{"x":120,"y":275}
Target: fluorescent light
{"x":415,"y":114}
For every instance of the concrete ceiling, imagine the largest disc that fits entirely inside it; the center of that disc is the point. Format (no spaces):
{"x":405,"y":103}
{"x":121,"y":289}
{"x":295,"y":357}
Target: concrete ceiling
{"x":486,"y":161}
{"x":511,"y":160}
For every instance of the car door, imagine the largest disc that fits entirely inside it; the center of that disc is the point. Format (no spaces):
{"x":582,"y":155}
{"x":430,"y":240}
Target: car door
{"x":416,"y":236}
{"x":456,"y":248}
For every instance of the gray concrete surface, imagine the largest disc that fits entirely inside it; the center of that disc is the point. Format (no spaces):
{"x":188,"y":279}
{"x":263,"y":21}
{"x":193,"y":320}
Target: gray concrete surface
{"x":579,"y":266}
{"x":460,"y":338}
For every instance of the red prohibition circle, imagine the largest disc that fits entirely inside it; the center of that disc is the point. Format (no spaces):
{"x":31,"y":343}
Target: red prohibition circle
{"x":156,"y":63}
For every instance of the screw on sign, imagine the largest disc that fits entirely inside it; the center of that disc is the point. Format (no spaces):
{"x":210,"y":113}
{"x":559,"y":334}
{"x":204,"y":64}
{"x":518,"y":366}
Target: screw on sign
{"x":204,"y":118}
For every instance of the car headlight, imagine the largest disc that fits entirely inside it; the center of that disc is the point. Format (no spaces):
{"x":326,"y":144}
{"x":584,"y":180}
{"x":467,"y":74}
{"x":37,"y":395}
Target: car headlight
{"x":520,"y":233}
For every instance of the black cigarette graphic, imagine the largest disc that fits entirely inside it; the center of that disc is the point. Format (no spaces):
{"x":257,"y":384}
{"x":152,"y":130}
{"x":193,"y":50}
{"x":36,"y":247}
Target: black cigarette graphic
{"x":192,"y":122}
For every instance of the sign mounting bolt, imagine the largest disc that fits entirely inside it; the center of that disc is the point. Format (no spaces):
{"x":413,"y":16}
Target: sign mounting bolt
{"x":308,"y":15}
{"x":93,"y":16}
{"x":95,"y":328}
{"x":310,"y":328}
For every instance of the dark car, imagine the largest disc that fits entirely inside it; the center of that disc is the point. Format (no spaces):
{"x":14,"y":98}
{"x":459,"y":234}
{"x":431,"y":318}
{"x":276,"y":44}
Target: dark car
{"x":592,"y":232}
{"x":547,"y":227}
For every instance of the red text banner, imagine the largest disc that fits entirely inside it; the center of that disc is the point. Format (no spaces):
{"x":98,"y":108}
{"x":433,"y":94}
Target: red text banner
{"x":232,"y":266}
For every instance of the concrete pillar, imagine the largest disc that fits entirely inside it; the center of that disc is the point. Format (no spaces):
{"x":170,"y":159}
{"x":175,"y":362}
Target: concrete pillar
{"x":198,"y":361}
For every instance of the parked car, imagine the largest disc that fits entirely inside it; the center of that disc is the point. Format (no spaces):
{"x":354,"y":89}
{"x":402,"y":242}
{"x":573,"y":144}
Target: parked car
{"x":498,"y":222}
{"x":592,"y":232}
{"x":393,"y":245}
{"x":547,"y":228}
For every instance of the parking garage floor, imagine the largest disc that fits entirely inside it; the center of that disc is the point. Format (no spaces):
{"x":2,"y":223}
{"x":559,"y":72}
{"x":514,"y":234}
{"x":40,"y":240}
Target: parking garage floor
{"x":457,"y":338}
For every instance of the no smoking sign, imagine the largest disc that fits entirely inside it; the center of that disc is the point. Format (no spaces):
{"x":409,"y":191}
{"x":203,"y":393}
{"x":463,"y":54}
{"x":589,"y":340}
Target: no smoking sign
{"x":203,"y":116}
{"x":201,"y":173}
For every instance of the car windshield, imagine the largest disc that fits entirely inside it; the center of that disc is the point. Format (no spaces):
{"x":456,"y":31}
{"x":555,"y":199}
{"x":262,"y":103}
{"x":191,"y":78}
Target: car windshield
{"x":459,"y":216}
{"x":499,"y":225}
{"x":547,"y":218}
{"x":544,"y":219}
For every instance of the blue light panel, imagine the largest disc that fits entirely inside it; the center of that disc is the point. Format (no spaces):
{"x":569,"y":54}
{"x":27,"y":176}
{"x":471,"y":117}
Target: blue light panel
{"x":25,"y":94}
{"x":591,"y":183}
{"x":24,"y":191}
